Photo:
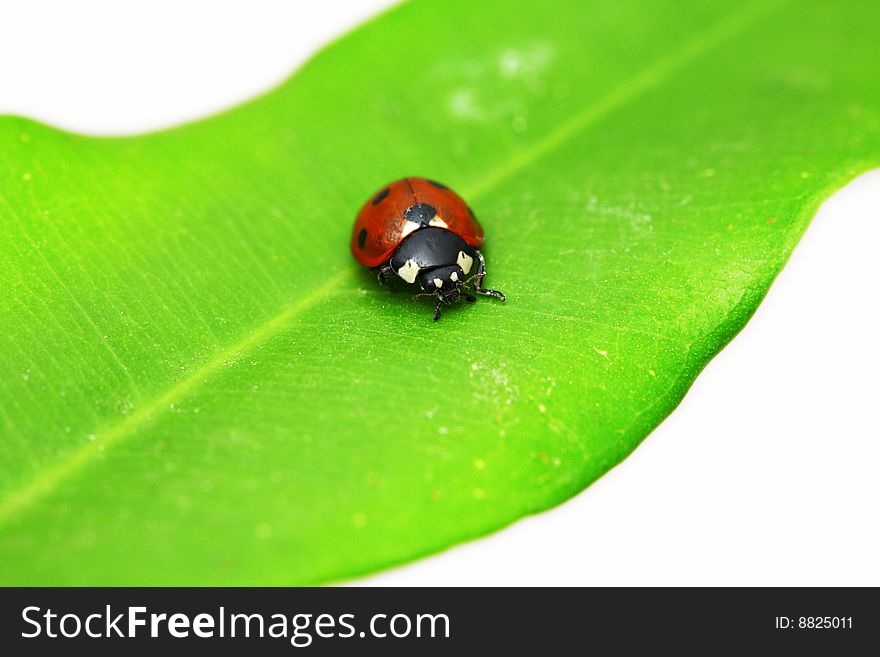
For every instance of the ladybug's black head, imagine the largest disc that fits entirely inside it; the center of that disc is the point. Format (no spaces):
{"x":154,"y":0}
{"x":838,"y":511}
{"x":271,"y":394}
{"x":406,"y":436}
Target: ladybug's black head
{"x":445,"y":282}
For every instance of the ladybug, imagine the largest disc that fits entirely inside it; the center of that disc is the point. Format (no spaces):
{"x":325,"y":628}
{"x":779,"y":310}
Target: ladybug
{"x":423,"y":233}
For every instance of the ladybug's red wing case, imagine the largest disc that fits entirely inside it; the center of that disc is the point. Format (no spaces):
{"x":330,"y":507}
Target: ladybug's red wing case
{"x":383,"y":222}
{"x":380,"y":224}
{"x":452,"y":212}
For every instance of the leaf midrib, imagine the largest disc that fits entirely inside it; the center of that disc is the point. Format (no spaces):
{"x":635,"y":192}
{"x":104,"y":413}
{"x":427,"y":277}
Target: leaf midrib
{"x":51,"y":478}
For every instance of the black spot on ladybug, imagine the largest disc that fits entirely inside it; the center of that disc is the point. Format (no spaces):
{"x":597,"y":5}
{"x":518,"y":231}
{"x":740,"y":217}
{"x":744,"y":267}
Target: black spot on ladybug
{"x":362,"y":237}
{"x":420,"y":213}
{"x":437,"y":185}
{"x":378,"y":198}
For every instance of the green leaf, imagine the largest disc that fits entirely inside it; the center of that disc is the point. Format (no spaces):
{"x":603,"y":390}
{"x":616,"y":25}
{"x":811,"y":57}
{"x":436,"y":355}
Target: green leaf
{"x":198,"y":385}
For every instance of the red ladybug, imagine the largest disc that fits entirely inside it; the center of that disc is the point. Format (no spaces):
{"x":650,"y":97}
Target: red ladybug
{"x":424,"y":233}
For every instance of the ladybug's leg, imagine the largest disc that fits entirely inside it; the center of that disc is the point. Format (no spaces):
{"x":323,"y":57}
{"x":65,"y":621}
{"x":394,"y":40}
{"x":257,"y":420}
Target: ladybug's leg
{"x":478,"y":281}
{"x":384,"y":274}
{"x":440,"y":302}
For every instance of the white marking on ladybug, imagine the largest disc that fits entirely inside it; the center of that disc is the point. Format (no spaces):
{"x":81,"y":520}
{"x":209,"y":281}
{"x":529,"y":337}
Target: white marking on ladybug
{"x":409,"y":271}
{"x":408,"y":228}
{"x":454,"y":277}
{"x":438,"y":283}
{"x":465,"y":261}
{"x":437,"y":221}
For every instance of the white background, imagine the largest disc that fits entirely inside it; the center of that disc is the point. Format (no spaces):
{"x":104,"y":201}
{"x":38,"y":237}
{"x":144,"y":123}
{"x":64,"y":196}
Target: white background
{"x":769,"y":471}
